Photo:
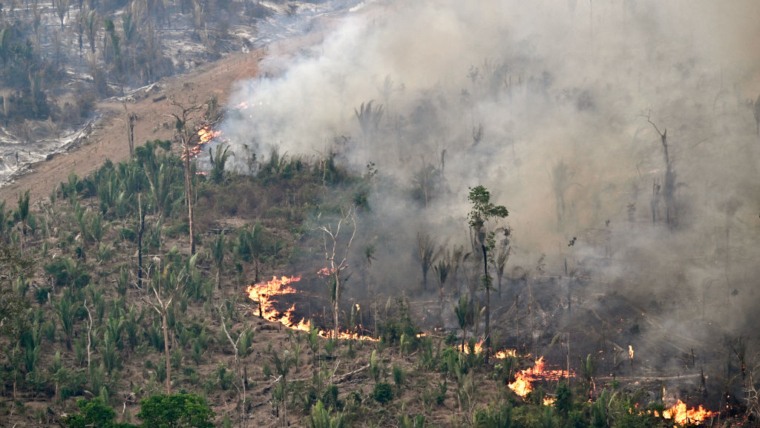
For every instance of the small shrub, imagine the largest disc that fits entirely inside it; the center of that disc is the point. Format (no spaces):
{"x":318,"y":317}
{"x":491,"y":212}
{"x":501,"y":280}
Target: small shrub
{"x":383,"y":393}
{"x":330,"y":398}
{"x":398,"y":375}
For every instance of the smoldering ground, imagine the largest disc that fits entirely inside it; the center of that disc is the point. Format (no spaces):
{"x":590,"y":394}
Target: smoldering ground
{"x":559,"y":108}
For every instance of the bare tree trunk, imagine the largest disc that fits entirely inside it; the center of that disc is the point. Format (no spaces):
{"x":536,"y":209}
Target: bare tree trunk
{"x":487,"y":343}
{"x":166,"y":352}
{"x":89,"y":337}
{"x":140,"y":231}
{"x":568,"y":360}
{"x":336,"y":304}
{"x":189,"y":195}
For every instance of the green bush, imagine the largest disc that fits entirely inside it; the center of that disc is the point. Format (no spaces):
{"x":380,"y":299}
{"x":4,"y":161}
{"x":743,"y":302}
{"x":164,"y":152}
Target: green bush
{"x":93,"y":414}
{"x":494,"y":417}
{"x":330,"y":398}
{"x":382,"y":393}
{"x":178,"y":410}
{"x":321,"y":418}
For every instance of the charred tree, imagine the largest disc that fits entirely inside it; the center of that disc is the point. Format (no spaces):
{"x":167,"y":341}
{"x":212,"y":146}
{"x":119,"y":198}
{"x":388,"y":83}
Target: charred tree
{"x":337,"y":260}
{"x":131,"y":118}
{"x":669,"y":184}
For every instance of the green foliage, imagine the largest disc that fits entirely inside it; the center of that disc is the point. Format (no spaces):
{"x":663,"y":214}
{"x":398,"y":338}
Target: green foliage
{"x":375,"y":367}
{"x":399,"y":325}
{"x":482,"y":208}
{"x":465,"y":312}
{"x":178,"y":410}
{"x":405,"y":421}
{"x":495,"y":416}
{"x":94,"y":413}
{"x":12,"y":306}
{"x":330,"y":398}
{"x":218,"y":162}
{"x":67,"y":272}
{"x":399,"y":376}
{"x":382,"y":393}
{"x":322,"y":418}
{"x":564,"y":400}
{"x":226,"y":378}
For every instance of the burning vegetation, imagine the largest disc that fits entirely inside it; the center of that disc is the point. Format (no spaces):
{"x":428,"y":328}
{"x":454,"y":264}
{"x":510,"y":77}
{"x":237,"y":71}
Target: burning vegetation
{"x":267,"y":294}
{"x":205,"y":135}
{"x":682,"y":415}
{"x":418,"y":299}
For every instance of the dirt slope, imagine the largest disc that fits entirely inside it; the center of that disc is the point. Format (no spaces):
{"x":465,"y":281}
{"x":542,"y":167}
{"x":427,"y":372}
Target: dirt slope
{"x":109,"y":140}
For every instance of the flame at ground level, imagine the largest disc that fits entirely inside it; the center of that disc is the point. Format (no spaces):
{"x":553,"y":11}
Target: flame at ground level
{"x":264,"y":294}
{"x":523,"y":383}
{"x":479,"y":348}
{"x":680,"y":414}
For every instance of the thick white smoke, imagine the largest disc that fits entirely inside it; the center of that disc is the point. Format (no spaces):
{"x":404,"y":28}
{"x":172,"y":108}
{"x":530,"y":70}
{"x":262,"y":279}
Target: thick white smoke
{"x":545,"y":103}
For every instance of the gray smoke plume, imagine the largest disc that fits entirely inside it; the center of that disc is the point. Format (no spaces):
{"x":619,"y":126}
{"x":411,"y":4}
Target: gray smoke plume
{"x":563,"y":109}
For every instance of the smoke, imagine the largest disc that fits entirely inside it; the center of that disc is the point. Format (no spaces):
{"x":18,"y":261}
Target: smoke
{"x":548,"y":104}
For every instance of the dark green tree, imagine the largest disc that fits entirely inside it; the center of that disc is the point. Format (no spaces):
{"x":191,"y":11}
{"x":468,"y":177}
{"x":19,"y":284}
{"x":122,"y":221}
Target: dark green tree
{"x":174,"y":411}
{"x":484,"y":210}
{"x":93,"y":413}
{"x":23,"y":215}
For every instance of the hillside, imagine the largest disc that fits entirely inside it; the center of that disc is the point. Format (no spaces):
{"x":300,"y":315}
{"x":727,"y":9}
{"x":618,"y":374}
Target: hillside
{"x":93,"y":323}
{"x":386,"y":213}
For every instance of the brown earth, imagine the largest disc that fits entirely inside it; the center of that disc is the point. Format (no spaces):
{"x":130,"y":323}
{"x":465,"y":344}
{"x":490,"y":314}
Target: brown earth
{"x":108,"y":139}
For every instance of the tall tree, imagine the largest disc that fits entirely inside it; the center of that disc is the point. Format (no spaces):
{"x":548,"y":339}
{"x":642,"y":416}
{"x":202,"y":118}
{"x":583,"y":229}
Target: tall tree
{"x":484,"y":210}
{"x":185,"y":130}
{"x":669,"y":184}
{"x":23,"y":215}
{"x":337,"y":244}
{"x":167,"y":285}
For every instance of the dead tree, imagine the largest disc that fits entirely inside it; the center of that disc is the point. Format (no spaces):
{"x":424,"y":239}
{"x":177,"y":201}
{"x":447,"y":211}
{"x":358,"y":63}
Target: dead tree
{"x":236,"y":349}
{"x":669,"y":185}
{"x":131,"y":118}
{"x":185,"y":131}
{"x":140,"y":232}
{"x":560,"y":178}
{"x":164,"y":295}
{"x":757,"y":114}
{"x":89,"y":335}
{"x":338,"y":262}
{"x":655,"y":201}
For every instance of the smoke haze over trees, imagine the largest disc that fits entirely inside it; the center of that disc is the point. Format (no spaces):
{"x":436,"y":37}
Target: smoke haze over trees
{"x":562,"y":111}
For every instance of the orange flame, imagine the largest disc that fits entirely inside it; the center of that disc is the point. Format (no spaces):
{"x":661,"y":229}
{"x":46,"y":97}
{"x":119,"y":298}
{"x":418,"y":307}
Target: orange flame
{"x":499,"y":355}
{"x":263,"y":293}
{"x":680,"y":414}
{"x":205,"y":135}
{"x":630,"y":351}
{"x":523,"y":383}
{"x":505,"y":354}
